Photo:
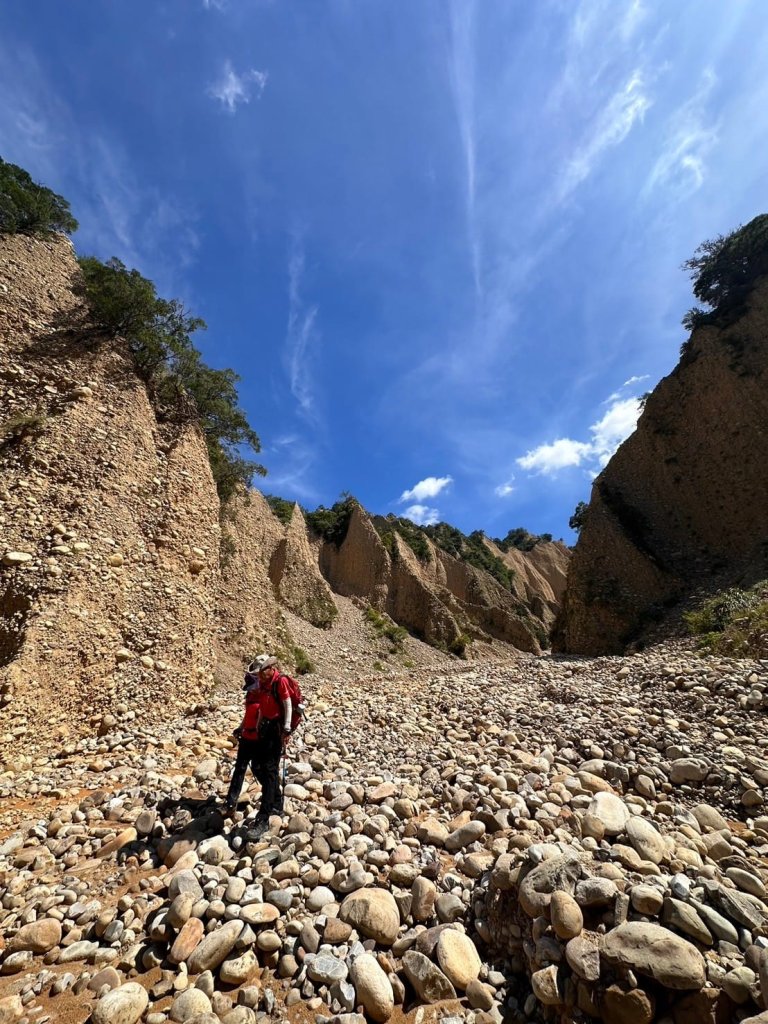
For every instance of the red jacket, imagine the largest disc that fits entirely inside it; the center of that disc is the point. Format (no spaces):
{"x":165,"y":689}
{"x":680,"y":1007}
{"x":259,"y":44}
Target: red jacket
{"x":271,"y":708}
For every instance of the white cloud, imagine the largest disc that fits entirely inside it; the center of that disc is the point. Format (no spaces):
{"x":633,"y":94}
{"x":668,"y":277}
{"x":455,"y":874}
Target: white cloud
{"x":681,"y":167}
{"x":430,"y":487}
{"x":607,"y":434}
{"x":422,"y":515}
{"x":300,"y":333}
{"x":233,"y":88}
{"x":635,"y":14}
{"x":617,"y":424}
{"x":613,"y":124}
{"x":549,"y":458}
{"x":505,"y":489}
{"x":635,"y":380}
{"x":214,"y":5}
{"x":120,"y":212}
{"x":292,"y":459}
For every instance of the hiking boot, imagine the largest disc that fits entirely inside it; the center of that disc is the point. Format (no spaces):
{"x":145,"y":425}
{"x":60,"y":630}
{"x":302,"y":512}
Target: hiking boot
{"x":257,"y":830}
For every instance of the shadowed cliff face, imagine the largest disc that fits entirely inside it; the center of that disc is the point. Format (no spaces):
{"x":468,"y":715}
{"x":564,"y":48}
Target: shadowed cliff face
{"x":683,"y":504}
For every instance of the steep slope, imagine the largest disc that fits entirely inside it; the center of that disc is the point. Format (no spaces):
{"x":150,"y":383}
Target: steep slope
{"x":440,"y":598}
{"x":267,"y":567}
{"x":108,"y":519}
{"x":249,"y":614}
{"x":539,"y":576}
{"x":683,"y":504}
{"x":296,"y":575}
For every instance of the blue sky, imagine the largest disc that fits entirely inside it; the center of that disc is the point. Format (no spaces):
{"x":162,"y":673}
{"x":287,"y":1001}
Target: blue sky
{"x":440,"y":242}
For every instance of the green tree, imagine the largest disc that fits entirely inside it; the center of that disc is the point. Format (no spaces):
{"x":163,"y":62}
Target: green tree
{"x":724,"y":270}
{"x":579,"y":517}
{"x":281,"y":507}
{"x":332,"y":523}
{"x":518,"y":538}
{"x":28,"y":208}
{"x":158,"y":333}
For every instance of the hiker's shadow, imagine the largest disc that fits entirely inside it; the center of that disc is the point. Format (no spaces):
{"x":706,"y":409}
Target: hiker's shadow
{"x":186,"y":822}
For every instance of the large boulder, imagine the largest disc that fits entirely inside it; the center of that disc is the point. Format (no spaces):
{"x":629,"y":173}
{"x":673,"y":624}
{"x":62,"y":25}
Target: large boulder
{"x":124,"y":1005}
{"x":39,"y":936}
{"x":214,"y":948}
{"x":373,"y":988}
{"x":660,"y":954}
{"x":458,"y":958}
{"x":374,"y":913}
{"x":428,"y":981}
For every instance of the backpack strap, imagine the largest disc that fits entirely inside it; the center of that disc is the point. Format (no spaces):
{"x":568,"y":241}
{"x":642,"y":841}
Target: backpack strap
{"x":274,"y":688}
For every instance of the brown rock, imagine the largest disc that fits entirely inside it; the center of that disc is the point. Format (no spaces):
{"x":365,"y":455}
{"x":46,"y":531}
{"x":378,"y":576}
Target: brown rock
{"x":631,"y":1007}
{"x":39,"y":936}
{"x":656,"y":952}
{"x":374,"y":913}
{"x":187,"y":940}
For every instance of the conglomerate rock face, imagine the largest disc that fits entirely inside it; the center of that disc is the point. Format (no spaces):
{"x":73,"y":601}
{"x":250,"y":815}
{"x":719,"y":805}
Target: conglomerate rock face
{"x":682,"y":505}
{"x":109,"y":542}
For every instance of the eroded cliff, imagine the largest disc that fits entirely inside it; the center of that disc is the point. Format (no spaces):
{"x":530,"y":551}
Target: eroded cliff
{"x":126,"y":591}
{"x":682,"y":506}
{"x":108,"y":519}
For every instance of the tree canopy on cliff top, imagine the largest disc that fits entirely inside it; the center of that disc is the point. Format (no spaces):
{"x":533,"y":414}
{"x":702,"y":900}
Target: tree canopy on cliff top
{"x":724,"y":270}
{"x":28,"y":208}
{"x":159,"y":335}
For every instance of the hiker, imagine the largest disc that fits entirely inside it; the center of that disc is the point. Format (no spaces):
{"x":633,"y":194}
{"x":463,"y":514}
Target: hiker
{"x":263,"y":734}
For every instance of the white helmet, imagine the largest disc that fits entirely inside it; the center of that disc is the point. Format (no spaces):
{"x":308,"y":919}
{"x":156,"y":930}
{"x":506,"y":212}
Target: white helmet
{"x":260,"y":662}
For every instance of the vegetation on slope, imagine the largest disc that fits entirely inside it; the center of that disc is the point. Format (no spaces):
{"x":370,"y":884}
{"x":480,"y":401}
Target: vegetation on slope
{"x":332,"y":523}
{"x":579,"y":517}
{"x":471,"y":548}
{"x":724,"y":271}
{"x":157,"y":331}
{"x":521,"y":539}
{"x":159,"y":335}
{"x":733,"y":623}
{"x":28,"y":208}
{"x":413,"y":535}
{"x":281,"y":507}
{"x":384,"y":627}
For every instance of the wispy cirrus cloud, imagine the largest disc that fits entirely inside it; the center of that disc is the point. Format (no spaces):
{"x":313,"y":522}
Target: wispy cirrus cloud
{"x":301,"y":332}
{"x":462,"y":76}
{"x":626,"y":107}
{"x":232,"y":88}
{"x":291,"y":458}
{"x":691,"y":135}
{"x":120,"y":214}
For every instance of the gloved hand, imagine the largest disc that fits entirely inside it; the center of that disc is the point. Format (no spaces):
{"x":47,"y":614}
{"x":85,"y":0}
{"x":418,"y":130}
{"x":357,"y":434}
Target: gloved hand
{"x":238,"y":732}
{"x":285,"y":737}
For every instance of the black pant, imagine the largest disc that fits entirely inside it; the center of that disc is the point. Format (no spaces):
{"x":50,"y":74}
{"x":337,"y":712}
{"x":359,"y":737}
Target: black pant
{"x":263,"y":755}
